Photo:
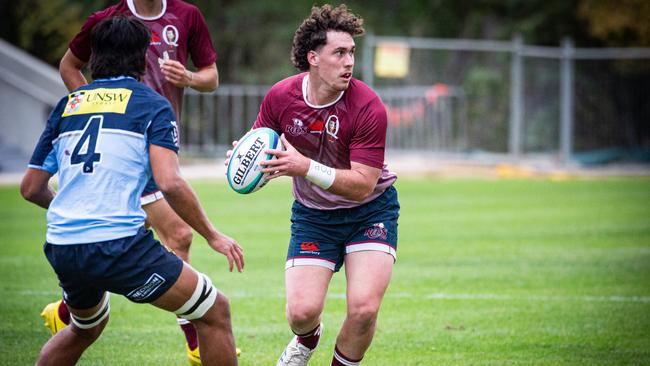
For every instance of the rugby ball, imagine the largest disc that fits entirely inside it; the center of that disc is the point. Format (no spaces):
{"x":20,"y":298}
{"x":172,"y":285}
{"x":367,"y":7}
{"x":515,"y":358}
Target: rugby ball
{"x":244,"y":171}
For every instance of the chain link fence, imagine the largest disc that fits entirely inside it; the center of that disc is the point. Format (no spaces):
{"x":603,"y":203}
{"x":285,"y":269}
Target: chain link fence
{"x":469,"y":96}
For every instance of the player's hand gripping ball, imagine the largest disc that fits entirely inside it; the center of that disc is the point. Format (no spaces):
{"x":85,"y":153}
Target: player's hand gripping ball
{"x":244,"y":171}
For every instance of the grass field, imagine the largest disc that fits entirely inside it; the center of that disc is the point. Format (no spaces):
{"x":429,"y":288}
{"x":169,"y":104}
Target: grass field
{"x":489,"y":272}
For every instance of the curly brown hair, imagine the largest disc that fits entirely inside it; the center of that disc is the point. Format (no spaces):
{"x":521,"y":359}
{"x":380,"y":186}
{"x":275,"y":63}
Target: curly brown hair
{"x":312,"y":33}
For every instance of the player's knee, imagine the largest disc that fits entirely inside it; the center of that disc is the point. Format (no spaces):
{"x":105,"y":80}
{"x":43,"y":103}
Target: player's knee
{"x":181,"y":238}
{"x":302,"y":313}
{"x":363,"y":313}
{"x":218,"y":315}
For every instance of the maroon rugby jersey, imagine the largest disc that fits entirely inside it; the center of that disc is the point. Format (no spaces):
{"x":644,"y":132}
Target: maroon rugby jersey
{"x":177,"y":32}
{"x":352,"y":128}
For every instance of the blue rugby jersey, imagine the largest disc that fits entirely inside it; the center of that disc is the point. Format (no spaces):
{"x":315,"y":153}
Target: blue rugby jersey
{"x":97,"y":139}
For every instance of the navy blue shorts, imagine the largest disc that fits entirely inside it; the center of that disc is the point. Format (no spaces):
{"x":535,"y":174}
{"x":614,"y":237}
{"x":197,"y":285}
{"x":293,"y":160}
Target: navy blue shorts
{"x":324,"y":237}
{"x":138,"y":267}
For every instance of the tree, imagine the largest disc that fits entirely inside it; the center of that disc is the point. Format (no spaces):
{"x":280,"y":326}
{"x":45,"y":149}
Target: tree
{"x":619,"y":23}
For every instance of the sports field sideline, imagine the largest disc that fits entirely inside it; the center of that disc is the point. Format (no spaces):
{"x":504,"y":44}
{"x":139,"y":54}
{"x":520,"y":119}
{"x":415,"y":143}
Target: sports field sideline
{"x":547,"y":271}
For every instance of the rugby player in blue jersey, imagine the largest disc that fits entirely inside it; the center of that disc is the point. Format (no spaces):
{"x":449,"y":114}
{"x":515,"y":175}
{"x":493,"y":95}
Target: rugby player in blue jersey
{"x":106,"y":140}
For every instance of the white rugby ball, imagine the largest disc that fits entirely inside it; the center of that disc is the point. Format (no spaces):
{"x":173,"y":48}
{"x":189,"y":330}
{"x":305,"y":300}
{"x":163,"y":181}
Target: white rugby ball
{"x":244,"y":171}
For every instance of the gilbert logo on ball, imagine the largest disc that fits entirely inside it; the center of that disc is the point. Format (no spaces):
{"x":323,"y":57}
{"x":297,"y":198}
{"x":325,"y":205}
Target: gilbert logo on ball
{"x":244,"y":172}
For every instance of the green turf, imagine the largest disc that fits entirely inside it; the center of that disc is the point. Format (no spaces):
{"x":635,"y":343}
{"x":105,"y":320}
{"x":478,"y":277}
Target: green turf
{"x":505,"y":272}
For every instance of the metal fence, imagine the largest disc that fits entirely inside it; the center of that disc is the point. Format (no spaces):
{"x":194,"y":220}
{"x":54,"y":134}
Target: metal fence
{"x":563,"y":101}
{"x":420,"y":118}
{"x":472,"y":95}
{"x":211,"y":121}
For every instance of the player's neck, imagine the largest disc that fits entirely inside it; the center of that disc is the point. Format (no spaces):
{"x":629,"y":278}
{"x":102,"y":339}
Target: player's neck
{"x":319,"y":93}
{"x":148,"y":8}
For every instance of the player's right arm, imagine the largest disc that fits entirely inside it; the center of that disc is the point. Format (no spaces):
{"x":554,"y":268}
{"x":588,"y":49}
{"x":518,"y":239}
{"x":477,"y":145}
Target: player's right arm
{"x":70,"y":70}
{"x":35,"y":188}
{"x":181,"y":197}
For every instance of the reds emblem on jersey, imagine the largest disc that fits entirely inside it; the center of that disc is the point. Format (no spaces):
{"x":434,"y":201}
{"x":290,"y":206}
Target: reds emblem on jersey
{"x":297,"y":128}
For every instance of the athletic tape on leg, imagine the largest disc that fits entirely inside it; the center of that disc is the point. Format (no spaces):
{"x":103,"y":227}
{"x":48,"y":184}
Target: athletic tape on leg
{"x":93,"y":320}
{"x":201,"y":300}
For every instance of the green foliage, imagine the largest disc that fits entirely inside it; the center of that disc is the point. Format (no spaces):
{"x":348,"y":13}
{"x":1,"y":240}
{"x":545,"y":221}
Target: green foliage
{"x":44,"y":28}
{"x":253,"y":38}
{"x":488,"y":109}
{"x":618,"y":22}
{"x":506,"y":272}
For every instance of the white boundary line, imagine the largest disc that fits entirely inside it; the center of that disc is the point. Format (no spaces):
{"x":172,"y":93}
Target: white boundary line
{"x":433,"y":296}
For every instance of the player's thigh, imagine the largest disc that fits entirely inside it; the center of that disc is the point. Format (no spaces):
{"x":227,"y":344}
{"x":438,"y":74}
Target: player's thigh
{"x":368,"y":274}
{"x":91,"y":321}
{"x":180,"y":292}
{"x":164,"y":219}
{"x":85,"y":313}
{"x":307,"y":286}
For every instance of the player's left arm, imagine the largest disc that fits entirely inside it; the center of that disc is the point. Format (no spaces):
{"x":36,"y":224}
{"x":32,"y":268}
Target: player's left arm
{"x":35,"y":187}
{"x":183,"y":200}
{"x":356,"y":183}
{"x":205,"y":79}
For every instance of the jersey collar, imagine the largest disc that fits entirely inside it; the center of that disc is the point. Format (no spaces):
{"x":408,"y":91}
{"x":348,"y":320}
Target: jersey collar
{"x":131,"y":5}
{"x":116,"y":78}
{"x":305,"y":82}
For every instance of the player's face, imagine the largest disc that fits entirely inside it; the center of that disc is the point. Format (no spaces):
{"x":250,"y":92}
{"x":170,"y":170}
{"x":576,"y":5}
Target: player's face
{"x":335,"y":60}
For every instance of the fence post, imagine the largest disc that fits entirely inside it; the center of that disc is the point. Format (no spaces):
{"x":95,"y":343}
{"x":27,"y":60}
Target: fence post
{"x":368,"y":72}
{"x":516,"y":97}
{"x":566,"y":100}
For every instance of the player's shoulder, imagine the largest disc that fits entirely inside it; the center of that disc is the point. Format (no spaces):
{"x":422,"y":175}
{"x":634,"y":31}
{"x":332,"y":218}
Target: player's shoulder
{"x":360,"y":94}
{"x":288,"y":86}
{"x":149,"y":96}
{"x":179,"y":6}
{"x":108,"y":12}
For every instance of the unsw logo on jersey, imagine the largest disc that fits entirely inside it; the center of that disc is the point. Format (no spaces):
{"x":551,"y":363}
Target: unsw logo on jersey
{"x":102,"y":100}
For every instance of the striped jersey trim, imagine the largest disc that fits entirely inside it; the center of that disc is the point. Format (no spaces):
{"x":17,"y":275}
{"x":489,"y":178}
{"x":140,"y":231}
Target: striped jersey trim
{"x":293,"y":262}
{"x":375,"y":246}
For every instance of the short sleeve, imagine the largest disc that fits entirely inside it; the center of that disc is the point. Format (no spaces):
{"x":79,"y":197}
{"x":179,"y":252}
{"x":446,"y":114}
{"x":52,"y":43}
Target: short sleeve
{"x":266,"y":117}
{"x":44,"y":157}
{"x":200,"y":44}
{"x":163,"y":129}
{"x":80,"y":44}
{"x":368,"y":142}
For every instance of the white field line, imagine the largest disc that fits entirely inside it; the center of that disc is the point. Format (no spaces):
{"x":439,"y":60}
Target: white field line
{"x":538,"y":298}
{"x":433,"y":296}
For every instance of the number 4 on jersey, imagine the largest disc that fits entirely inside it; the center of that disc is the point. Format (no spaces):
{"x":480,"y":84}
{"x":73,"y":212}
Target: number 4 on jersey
{"x":84,"y":151}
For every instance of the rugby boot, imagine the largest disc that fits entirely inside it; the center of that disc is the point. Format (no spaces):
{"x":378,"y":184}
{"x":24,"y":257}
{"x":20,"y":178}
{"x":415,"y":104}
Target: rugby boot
{"x":297,"y":354}
{"x":51,"y":316}
{"x":193,"y":355}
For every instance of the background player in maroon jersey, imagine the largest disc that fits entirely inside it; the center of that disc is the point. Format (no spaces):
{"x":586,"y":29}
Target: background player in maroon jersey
{"x":178,"y":32}
{"x":346,"y":208}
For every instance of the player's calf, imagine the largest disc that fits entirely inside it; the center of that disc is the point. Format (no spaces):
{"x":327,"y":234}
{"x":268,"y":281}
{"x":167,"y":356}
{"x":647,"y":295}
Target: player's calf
{"x":67,"y":345}
{"x":209,"y":311}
